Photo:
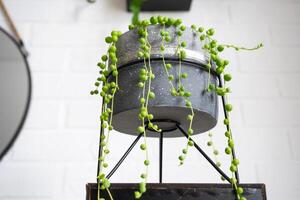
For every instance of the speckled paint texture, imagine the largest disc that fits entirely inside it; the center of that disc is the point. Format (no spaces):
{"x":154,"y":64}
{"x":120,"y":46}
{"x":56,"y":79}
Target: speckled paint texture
{"x":164,"y":106}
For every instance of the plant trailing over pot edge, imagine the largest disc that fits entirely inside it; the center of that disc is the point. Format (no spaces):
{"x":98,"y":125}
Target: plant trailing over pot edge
{"x":169,"y":31}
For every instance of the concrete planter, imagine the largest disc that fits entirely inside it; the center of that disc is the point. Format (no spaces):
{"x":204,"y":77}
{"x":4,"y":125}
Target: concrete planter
{"x":164,"y":106}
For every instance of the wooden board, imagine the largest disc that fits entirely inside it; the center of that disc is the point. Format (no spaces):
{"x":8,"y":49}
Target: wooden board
{"x":122,"y":191}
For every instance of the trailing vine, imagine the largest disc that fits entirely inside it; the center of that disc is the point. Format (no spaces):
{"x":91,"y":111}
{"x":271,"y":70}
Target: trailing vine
{"x":179,"y":91}
{"x":108,"y":67}
{"x":215,"y":151}
{"x":145,"y":76}
{"x":214,"y":49}
{"x":215,"y":64}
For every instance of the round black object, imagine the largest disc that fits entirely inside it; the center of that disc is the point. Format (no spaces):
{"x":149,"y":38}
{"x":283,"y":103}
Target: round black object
{"x":15,"y":90}
{"x":164,"y":106}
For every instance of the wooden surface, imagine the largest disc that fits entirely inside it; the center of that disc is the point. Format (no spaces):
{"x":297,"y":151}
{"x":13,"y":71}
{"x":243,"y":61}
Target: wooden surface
{"x":179,"y":191}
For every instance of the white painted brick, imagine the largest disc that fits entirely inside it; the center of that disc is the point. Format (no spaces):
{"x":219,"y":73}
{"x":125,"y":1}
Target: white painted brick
{"x":208,"y":12}
{"x":280,"y":186}
{"x":270,"y":60}
{"x":46,"y":86}
{"x":251,"y":144}
{"x":285,"y":36}
{"x":246,"y":35}
{"x":25,"y":198}
{"x":29,"y":180}
{"x":250,"y":13}
{"x":288,"y":85}
{"x":70,"y":34}
{"x":77,"y":175}
{"x":98,"y":11}
{"x":253,"y":86}
{"x":79,"y":86}
{"x":264,"y":113}
{"x":66,"y":39}
{"x":84,"y":114}
{"x":86,"y":59}
{"x":43,"y":115}
{"x":257,"y":1}
{"x":53,"y":146}
{"x":27,"y":10}
{"x":293,"y":141}
{"x":48,"y":59}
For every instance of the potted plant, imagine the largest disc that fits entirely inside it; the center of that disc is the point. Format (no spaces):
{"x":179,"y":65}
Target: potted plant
{"x":158,"y":75}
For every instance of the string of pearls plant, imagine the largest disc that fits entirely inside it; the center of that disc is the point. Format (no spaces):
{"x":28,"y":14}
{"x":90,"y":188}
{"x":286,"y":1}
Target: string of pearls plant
{"x":107,"y":93}
{"x":107,"y":89}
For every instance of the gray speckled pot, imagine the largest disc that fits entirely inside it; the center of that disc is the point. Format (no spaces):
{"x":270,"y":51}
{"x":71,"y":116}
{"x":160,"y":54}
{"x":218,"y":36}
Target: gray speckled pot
{"x":164,"y":106}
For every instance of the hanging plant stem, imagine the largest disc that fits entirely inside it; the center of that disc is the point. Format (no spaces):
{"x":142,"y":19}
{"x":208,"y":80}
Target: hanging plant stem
{"x":165,"y":37}
{"x":146,"y":76}
{"x":237,"y":48}
{"x":215,"y":151}
{"x":108,"y":67}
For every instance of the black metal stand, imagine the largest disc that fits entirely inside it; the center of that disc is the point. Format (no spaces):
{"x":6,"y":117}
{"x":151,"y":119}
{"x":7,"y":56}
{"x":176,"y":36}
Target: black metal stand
{"x":161,"y":142}
{"x":124,"y":156}
{"x":176,"y":126}
{"x":219,"y":170}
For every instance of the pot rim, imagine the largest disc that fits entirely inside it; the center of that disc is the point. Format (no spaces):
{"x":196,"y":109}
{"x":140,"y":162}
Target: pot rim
{"x":198,"y":57}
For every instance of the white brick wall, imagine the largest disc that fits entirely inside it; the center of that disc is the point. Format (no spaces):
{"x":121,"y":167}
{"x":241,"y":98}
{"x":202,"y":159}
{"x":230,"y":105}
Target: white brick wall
{"x":56,"y":153}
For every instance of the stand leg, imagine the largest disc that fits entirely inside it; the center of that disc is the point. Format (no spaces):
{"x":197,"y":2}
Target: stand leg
{"x":161,"y":137}
{"x":124,"y":156}
{"x":205,"y":155}
{"x":228,"y":129}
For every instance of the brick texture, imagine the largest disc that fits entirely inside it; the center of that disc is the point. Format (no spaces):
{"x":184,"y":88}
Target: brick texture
{"x":56,"y":153}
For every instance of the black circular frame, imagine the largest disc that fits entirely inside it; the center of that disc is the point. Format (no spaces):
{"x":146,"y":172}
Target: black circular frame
{"x":20,"y":47}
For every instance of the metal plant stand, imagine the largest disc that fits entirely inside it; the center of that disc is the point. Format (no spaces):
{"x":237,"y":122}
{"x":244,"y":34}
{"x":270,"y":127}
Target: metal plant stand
{"x":178,"y":191}
{"x":161,"y":137}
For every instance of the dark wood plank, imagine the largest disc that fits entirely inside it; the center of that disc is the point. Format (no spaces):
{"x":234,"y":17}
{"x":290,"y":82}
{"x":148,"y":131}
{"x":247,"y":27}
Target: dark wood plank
{"x":173,"y":191}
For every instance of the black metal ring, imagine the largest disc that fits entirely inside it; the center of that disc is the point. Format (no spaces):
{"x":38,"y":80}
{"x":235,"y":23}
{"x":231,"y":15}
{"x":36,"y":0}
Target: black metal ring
{"x":163,"y":120}
{"x":20,"y":48}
